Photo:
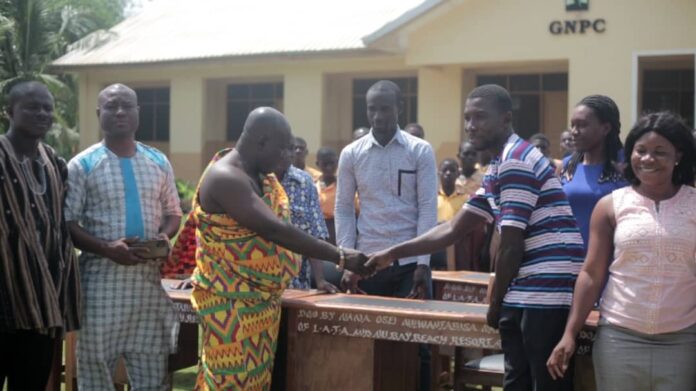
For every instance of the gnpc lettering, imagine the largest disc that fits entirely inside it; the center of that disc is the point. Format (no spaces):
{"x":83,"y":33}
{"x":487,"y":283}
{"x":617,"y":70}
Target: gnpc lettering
{"x":581,"y":26}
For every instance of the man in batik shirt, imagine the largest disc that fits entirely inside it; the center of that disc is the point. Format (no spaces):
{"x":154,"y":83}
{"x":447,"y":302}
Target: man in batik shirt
{"x":305,"y":214}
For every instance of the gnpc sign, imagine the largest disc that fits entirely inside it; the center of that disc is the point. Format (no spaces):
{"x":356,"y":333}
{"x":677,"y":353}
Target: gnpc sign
{"x":577,"y":26}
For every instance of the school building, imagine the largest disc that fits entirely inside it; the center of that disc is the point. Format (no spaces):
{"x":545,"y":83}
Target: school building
{"x":200,"y":67}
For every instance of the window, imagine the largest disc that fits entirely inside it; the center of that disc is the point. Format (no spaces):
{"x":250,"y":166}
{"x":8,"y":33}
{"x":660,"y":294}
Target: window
{"x":409,"y":94}
{"x":243,"y":98}
{"x":528,"y":93}
{"x":672,"y":90}
{"x":154,"y":114}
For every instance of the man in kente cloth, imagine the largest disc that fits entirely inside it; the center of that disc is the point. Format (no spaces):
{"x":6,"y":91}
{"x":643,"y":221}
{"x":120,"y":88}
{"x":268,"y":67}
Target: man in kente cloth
{"x":245,"y":255}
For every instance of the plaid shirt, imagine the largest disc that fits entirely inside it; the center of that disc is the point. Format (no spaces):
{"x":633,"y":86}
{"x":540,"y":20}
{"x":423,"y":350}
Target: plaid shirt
{"x":125,"y":307}
{"x":305,"y":214}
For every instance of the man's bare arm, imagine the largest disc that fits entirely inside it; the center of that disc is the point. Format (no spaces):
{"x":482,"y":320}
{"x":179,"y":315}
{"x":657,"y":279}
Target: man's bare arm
{"x":232,"y":192}
{"x":432,"y":241}
{"x":508,"y":260}
{"x":170,"y":225}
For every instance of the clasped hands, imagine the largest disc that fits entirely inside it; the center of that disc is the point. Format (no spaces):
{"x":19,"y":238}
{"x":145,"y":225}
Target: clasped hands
{"x":365,"y":266}
{"x":359,"y":266}
{"x":124,"y":252}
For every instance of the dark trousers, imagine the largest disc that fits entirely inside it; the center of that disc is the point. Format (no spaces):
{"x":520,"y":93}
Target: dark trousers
{"x":528,"y":336}
{"x":397,"y":281}
{"x":25,"y":360}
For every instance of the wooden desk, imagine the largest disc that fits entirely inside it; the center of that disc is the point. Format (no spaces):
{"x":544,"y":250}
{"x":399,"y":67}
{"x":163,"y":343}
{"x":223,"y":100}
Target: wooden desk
{"x":342,"y":342}
{"x":472,"y":287}
{"x":182,"y":299}
{"x":461,"y":286}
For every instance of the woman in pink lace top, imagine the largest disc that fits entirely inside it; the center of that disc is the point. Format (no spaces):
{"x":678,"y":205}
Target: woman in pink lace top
{"x":646,"y":338}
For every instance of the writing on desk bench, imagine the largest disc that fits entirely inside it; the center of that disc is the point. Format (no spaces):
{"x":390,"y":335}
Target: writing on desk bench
{"x":463,"y":293}
{"x":397,"y":328}
{"x":185,"y":313}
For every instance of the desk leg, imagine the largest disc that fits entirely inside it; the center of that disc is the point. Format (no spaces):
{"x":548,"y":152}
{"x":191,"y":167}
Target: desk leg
{"x":70,"y":361}
{"x":53,"y":383}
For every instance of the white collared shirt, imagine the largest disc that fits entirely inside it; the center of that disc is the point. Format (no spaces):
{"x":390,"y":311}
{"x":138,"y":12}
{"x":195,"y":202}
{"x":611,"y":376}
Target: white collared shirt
{"x":397,"y":190}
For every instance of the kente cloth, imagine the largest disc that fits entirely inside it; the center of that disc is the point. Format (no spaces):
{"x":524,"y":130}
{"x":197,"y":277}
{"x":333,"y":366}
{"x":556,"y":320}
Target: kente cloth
{"x":237,"y":286}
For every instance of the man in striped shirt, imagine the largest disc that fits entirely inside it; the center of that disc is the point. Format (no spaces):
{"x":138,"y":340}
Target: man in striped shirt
{"x":540,"y":251}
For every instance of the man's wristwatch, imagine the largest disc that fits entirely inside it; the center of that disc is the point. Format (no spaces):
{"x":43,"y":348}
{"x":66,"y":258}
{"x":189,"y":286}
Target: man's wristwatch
{"x":341,"y":259}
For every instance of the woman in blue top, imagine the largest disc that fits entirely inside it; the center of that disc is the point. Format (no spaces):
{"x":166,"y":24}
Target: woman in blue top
{"x":596,"y":167}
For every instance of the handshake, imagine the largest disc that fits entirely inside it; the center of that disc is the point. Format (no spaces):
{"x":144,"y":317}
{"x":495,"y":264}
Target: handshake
{"x":366,"y":266}
{"x":363,"y":266}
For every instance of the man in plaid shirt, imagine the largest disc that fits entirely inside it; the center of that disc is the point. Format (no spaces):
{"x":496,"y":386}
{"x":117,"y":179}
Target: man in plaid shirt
{"x":121,"y":192}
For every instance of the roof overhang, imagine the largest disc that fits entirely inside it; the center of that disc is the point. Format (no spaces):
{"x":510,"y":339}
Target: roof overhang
{"x":237,"y":59}
{"x":393,"y":36}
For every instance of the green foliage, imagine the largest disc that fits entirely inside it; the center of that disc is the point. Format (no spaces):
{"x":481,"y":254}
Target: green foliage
{"x":185,"y":189}
{"x":33,"y":33}
{"x":186,"y":193}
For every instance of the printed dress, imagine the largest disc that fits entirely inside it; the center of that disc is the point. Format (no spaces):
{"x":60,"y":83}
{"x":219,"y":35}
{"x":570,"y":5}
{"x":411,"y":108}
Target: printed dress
{"x":238,"y":282}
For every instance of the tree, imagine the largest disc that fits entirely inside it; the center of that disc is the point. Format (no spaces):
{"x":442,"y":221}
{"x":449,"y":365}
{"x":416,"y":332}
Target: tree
{"x":35,"y":32}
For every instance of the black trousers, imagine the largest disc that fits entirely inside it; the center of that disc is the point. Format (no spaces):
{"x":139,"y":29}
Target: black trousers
{"x":528,"y":336}
{"x":25,"y":360}
{"x":397,"y":281}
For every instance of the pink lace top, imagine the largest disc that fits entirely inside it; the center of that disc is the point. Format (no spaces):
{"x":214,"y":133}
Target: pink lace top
{"x":652,"y":281}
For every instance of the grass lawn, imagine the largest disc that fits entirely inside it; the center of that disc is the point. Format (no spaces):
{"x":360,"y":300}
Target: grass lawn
{"x":185,"y":379}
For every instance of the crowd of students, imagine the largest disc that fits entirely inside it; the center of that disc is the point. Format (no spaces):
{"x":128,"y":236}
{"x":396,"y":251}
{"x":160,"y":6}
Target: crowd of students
{"x":609,"y":225}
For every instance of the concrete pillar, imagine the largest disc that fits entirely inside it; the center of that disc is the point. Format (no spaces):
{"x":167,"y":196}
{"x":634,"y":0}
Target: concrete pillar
{"x":440,"y":107}
{"x":186,"y":143}
{"x":587,"y":76}
{"x":88,"y":91}
{"x":303,"y":104}
{"x":338,"y":111}
{"x":215,"y":121}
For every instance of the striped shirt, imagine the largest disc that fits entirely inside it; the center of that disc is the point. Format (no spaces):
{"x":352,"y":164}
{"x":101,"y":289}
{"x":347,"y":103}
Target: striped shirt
{"x":520,"y":190}
{"x":39,"y":281}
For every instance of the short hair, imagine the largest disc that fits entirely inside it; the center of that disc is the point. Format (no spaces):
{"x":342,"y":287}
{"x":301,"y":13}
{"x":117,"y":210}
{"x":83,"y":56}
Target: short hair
{"x":387,"y":85}
{"x":539,"y":136}
{"x":415,"y":125}
{"x":674,"y":129}
{"x":325,"y":152}
{"x":20,"y":88}
{"x":300,"y":140}
{"x":449,"y":160}
{"x":606,"y":111}
{"x":499,"y":96}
